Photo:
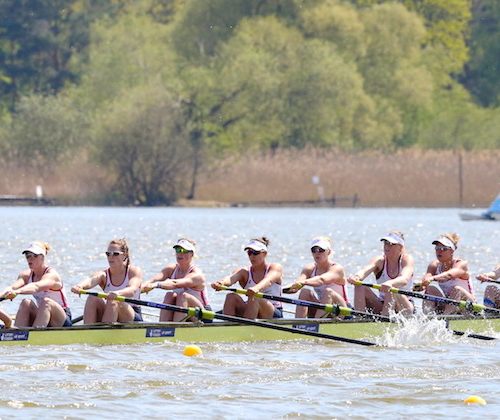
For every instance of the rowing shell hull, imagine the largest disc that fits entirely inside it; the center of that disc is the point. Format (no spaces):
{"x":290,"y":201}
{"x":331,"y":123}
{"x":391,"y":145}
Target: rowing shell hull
{"x":115,"y":334}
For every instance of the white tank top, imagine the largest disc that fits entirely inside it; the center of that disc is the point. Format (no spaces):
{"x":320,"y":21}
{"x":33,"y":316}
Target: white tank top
{"x":110,"y":287}
{"x":338,"y":288}
{"x":201,"y":295}
{"x":274,"y":289}
{"x":58,"y":296}
{"x":446,"y":286}
{"x":384,"y":276}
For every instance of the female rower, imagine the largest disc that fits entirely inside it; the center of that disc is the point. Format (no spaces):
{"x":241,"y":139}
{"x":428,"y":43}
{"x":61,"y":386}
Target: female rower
{"x":449,"y":276}
{"x":121,"y":278}
{"x":50,"y":307}
{"x":259,"y":277}
{"x":492,"y":291}
{"x":392,"y":269}
{"x":326,"y":278}
{"x":184,"y":281}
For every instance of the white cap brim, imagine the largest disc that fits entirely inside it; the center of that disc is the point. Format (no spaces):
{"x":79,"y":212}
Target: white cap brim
{"x":393,"y":239}
{"x":321,"y":243}
{"x":188,"y":246}
{"x":35,"y":249}
{"x":443,"y":240}
{"x":256,"y":246}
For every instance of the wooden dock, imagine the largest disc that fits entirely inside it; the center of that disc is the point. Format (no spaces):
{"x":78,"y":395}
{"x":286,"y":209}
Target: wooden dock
{"x":335,"y":201}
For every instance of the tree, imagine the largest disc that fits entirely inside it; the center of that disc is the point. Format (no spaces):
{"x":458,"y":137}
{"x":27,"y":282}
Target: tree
{"x":142,"y":139}
{"x":44,"y":130}
{"x":482,"y":72}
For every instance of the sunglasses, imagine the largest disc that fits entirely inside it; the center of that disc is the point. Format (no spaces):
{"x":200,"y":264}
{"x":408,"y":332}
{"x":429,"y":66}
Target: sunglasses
{"x":317,"y":249}
{"x":442,"y":248}
{"x":253,"y":252}
{"x":114,"y":253}
{"x":30,"y":255}
{"x":179,"y":250}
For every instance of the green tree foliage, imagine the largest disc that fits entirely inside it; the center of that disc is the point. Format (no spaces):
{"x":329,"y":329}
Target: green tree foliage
{"x":40,"y":41}
{"x":482,"y":73}
{"x":44,"y":130}
{"x":126,"y":52}
{"x":142,"y":138}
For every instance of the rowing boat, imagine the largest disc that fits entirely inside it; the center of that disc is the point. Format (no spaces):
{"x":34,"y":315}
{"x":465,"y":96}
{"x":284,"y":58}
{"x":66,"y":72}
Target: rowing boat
{"x":198,"y":332}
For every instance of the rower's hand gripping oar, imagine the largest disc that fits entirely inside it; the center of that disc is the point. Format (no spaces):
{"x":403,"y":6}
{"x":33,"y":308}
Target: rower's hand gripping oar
{"x":463,"y":304}
{"x":336,"y":310}
{"x":201,"y":313}
{"x":490,"y":281}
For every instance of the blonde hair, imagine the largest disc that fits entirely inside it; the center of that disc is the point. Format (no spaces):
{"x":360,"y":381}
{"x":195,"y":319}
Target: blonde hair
{"x":453,"y":237}
{"x":43,"y":245}
{"x":262,"y":240}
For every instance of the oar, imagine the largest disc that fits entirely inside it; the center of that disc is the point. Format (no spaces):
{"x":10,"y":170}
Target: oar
{"x":463,"y":304}
{"x":201,"y":313}
{"x":490,"y":281}
{"x":336,"y":310}
{"x":77,"y":319}
{"x":339,"y":310}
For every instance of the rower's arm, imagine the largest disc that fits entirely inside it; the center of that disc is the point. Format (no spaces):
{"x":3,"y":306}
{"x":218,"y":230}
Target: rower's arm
{"x":20,"y":282}
{"x":48,"y":281}
{"x":407,"y":268}
{"x":491,"y":275}
{"x":367,"y":270}
{"x":274,"y":275}
{"x":460,"y":271}
{"x":335,"y":275}
{"x":237,"y":276}
{"x":6,"y":319}
{"x":191,"y":281}
{"x":96,"y":279}
{"x":134,"y":283}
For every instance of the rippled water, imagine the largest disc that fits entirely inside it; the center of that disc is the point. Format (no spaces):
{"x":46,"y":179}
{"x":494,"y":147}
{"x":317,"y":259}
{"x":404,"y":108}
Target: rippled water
{"x":423,"y":371}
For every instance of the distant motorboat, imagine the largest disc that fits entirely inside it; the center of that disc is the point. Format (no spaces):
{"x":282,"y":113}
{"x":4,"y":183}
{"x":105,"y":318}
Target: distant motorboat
{"x":493,"y":212}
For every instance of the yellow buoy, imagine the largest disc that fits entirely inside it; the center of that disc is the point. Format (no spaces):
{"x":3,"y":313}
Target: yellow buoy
{"x":192,"y":350}
{"x":474,"y":399}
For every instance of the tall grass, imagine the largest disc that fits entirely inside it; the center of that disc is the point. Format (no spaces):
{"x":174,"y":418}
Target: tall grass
{"x":404,"y":178}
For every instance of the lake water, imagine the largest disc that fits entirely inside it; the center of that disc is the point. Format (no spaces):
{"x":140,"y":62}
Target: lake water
{"x":418,"y":374}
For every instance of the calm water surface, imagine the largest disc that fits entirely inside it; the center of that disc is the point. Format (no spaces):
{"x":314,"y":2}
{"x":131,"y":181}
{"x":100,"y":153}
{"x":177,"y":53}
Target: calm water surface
{"x":422,"y":371}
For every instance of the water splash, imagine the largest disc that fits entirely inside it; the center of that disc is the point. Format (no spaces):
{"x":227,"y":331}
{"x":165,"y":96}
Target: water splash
{"x":416,"y":331}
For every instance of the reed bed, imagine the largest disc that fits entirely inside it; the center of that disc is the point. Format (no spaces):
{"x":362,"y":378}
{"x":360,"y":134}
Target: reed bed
{"x":403,"y":178}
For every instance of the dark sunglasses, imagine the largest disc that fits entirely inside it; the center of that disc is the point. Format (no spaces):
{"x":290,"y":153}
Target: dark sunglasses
{"x":317,"y":249}
{"x":30,"y":255}
{"x":114,"y":253}
{"x":253,"y":252}
{"x":179,"y":250}
{"x":442,"y":248}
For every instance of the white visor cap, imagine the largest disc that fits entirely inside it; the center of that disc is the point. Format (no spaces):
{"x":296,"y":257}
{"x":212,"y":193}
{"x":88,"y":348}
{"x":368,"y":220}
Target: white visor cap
{"x":322,"y":243}
{"x":256,"y":246}
{"x":443,"y":240}
{"x":35,"y":248}
{"x":183,"y":243}
{"x":393,"y":238}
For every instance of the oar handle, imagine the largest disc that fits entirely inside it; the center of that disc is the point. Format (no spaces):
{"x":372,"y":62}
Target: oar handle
{"x":491,"y":281}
